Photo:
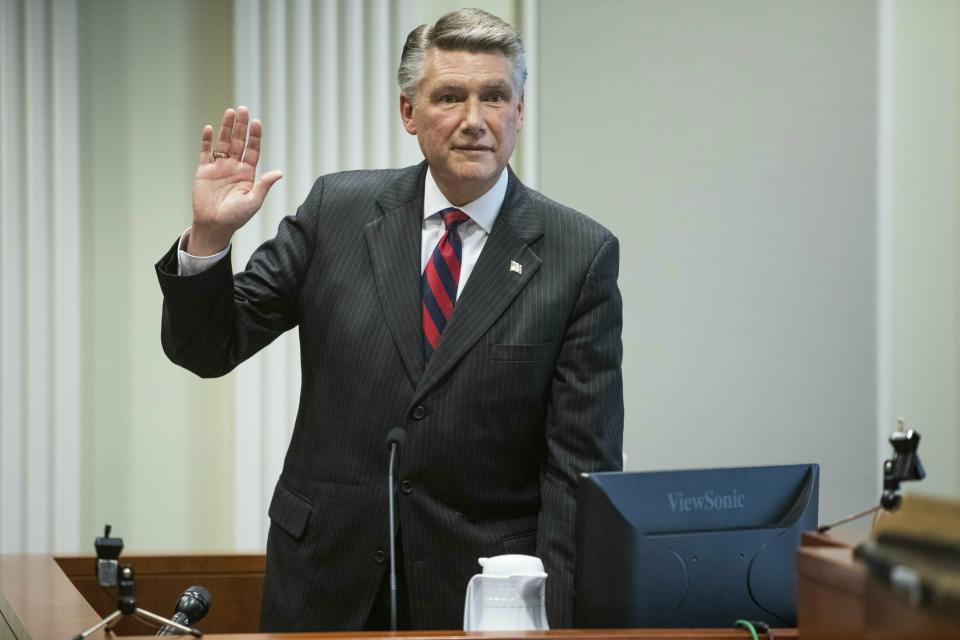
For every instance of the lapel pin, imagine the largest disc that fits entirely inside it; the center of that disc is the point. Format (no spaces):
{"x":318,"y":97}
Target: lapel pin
{"x":516,"y":267}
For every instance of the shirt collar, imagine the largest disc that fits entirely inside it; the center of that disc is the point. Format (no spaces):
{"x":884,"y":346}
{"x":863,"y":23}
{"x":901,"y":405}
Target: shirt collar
{"x":483,"y":210}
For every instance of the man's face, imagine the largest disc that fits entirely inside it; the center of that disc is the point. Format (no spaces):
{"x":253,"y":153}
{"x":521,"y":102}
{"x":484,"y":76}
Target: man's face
{"x":466,"y":118}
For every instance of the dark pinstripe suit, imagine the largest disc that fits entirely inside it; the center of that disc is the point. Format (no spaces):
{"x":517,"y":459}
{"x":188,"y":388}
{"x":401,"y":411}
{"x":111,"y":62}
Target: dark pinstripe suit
{"x":523,"y":392}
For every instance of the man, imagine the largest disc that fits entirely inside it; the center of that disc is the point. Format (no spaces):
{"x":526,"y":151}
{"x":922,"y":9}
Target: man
{"x":447,"y":298}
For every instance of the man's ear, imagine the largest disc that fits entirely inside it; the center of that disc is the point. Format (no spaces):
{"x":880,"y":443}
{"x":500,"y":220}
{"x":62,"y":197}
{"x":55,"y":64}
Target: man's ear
{"x":406,"y":114}
{"x":520,"y":113}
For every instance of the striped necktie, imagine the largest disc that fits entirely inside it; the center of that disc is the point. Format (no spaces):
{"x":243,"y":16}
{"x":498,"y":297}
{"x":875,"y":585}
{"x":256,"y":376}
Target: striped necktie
{"x":441,"y":277}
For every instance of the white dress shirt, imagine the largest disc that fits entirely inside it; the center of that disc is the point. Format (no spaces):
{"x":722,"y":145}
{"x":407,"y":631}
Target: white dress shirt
{"x":483,"y":213}
{"x":474,"y":232}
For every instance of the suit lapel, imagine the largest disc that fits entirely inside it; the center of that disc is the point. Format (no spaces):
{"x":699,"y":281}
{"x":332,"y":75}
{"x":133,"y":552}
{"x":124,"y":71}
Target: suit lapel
{"x":493,"y":284}
{"x":393,"y":240}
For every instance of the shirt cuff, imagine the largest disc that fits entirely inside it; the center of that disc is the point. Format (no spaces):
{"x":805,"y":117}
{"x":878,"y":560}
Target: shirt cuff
{"x":190,"y":265}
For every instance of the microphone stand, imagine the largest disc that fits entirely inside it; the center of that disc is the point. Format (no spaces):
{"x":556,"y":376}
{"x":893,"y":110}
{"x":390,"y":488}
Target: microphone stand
{"x":904,"y":466}
{"x":395,"y":439}
{"x":127,"y":606}
{"x":393,"y":540}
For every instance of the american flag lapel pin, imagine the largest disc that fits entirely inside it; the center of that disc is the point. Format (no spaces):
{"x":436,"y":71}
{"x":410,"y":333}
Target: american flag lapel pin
{"x":516,"y":267}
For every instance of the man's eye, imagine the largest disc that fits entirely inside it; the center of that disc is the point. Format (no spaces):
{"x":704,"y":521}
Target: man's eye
{"x":496,"y":97}
{"x":448,"y":99}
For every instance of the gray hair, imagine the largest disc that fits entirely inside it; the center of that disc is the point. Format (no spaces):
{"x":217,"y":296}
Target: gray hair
{"x":463,"y":30}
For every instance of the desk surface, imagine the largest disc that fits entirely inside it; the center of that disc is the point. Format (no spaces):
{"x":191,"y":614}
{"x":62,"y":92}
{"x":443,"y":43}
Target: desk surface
{"x":837,"y":598}
{"x":569,"y":634}
{"x":39,"y":600}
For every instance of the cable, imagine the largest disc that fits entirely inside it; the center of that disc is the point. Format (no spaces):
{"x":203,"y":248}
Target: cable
{"x":756,"y":627}
{"x":763,"y":627}
{"x":746,"y":624}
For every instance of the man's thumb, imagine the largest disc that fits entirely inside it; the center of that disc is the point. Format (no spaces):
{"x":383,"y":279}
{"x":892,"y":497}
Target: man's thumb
{"x":262,"y":185}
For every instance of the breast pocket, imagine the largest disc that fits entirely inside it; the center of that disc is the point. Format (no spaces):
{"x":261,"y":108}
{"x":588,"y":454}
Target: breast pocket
{"x":520,"y":352}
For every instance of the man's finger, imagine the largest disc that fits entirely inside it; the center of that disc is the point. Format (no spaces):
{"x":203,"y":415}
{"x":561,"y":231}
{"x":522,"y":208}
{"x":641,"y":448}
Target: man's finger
{"x":262,"y":186}
{"x":206,"y":145}
{"x":252,"y":155}
{"x":239,"y":137}
{"x":226,"y":128}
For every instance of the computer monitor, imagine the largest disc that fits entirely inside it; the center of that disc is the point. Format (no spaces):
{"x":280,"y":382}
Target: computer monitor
{"x":692,"y":548}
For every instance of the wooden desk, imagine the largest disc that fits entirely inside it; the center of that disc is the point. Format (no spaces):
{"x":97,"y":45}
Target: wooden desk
{"x":44,"y":597}
{"x":837,"y":598}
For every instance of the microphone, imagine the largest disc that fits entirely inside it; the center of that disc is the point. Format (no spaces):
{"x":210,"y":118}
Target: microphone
{"x":395,"y":439}
{"x":108,"y":554}
{"x":192,"y":606}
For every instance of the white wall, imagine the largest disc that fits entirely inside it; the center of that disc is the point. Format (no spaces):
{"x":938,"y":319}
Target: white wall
{"x":156,"y":445}
{"x":923,"y":251}
{"x":731,"y":147}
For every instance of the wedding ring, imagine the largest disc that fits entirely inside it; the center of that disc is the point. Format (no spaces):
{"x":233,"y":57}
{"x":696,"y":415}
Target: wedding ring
{"x":220,"y":154}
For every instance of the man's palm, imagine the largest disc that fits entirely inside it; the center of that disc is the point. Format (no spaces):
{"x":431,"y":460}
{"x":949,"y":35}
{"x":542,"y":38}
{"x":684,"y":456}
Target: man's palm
{"x":226,"y":192}
{"x":222,"y":193}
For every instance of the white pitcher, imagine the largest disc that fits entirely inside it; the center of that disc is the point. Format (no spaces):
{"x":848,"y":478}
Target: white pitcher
{"x":507,"y":596}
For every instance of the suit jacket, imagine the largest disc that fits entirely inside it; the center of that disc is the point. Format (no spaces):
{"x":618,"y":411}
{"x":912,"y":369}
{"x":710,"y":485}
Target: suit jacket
{"x":523,"y":393}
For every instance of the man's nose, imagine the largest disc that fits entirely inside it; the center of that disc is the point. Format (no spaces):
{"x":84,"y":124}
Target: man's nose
{"x":472,"y":123}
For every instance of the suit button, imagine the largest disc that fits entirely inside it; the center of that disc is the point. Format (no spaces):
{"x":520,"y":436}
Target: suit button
{"x":379,"y":556}
{"x":419,"y":412}
{"x":406,"y":486}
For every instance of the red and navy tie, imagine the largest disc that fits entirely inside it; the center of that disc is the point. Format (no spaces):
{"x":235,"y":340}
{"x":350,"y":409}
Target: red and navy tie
{"x":440,"y":280}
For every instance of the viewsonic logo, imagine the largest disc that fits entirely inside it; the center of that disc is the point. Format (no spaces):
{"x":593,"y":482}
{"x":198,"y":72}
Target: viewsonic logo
{"x":709,"y":501}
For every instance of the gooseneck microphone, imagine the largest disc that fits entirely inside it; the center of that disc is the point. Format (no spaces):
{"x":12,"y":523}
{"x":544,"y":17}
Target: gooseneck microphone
{"x":192,"y":606}
{"x":395,"y":439}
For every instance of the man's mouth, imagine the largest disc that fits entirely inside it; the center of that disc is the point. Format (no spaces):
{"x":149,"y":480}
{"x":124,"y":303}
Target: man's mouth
{"x":473,"y":148}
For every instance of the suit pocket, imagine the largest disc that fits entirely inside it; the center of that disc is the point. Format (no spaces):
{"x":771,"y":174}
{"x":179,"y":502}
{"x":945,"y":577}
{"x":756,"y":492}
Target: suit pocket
{"x":520,"y":352}
{"x":289,"y":511}
{"x":521,"y":543}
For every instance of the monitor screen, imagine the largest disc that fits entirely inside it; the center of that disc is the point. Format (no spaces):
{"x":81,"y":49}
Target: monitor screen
{"x":691,"y":548}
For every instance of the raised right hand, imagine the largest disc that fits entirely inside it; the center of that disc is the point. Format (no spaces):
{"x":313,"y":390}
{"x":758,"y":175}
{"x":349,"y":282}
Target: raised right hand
{"x":226,"y":192}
